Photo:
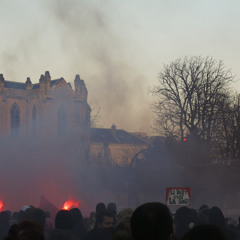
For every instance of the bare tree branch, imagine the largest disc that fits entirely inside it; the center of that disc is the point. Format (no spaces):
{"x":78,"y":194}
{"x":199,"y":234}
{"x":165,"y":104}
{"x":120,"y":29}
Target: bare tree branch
{"x":190,"y":91}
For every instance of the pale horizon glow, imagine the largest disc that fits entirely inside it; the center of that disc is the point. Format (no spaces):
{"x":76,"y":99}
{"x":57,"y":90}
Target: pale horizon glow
{"x":117,"y":47}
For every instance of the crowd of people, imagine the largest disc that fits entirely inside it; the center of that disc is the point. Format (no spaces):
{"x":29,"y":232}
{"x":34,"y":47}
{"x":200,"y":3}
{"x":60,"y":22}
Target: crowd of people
{"x":149,"y":221}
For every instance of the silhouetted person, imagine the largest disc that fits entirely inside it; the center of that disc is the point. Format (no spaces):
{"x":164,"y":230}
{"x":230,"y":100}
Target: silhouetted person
{"x":12,"y":232}
{"x":238,"y":226}
{"x":203,"y":207}
{"x":122,"y":230}
{"x":34,"y":214}
{"x":78,"y":226}
{"x":152,"y":221}
{"x":103,"y":228}
{"x":184,"y":219}
{"x":205,"y":232}
{"x":216,"y":217}
{"x":125,"y":212}
{"x":100,"y":207}
{"x":113,"y":207}
{"x":63,"y":227}
{"x":90,"y":222}
{"x":25,"y":230}
{"x":4,"y":223}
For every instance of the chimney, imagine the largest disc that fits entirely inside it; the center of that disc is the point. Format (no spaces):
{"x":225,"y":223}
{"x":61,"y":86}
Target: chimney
{"x":2,"y":80}
{"x":70,"y":85}
{"x":114,"y":131}
{"x":28,"y":84}
{"x":42,"y":84}
{"x":47,"y":76}
{"x":42,"y":79}
{"x":80,"y":89}
{"x":77,"y":84}
{"x":47,"y":80}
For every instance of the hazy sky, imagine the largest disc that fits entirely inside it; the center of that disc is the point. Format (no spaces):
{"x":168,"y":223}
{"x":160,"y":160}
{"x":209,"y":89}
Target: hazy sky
{"x":117,"y":47}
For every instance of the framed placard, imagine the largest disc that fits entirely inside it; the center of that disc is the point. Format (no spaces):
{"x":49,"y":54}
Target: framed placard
{"x":178,"y":196}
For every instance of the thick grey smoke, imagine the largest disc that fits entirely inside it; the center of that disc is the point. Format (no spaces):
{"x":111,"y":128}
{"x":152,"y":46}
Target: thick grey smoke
{"x":80,"y":38}
{"x":70,"y":37}
{"x":50,"y":165}
{"x":49,"y":168}
{"x":66,"y":39}
{"x":113,"y":83}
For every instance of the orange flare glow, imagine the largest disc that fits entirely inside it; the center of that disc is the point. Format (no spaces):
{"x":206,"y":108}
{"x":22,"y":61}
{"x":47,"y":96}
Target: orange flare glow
{"x":69,"y":204}
{"x":1,"y":205}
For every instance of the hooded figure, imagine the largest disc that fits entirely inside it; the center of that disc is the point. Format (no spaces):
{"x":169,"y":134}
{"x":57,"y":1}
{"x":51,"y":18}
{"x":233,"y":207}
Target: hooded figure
{"x":63,"y":227}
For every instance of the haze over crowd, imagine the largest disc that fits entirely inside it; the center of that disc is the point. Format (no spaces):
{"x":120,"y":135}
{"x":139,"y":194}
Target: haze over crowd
{"x":117,"y":47}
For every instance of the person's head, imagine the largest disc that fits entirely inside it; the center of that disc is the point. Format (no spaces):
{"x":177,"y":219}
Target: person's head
{"x":184,"y":216}
{"x":216,"y":217}
{"x":105,"y":219}
{"x":77,"y":215}
{"x":100,"y":207}
{"x":64,"y":220}
{"x":28,"y":230}
{"x":206,"y":212}
{"x":152,"y":221}
{"x":112,"y":206}
{"x":125,"y":212}
{"x":205,"y":232}
{"x":184,"y":219}
{"x":122,"y":230}
{"x":25,"y":230}
{"x":203,"y":207}
{"x":202,"y":219}
{"x":92,"y":216}
{"x":34,"y":214}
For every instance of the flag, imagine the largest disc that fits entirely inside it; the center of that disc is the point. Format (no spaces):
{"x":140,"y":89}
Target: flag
{"x":48,"y":206}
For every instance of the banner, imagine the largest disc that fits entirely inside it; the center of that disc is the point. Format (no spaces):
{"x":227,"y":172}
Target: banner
{"x":178,"y":196}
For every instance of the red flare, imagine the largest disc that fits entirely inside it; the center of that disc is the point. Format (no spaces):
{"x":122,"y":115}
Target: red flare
{"x":1,"y":205}
{"x":70,"y":204}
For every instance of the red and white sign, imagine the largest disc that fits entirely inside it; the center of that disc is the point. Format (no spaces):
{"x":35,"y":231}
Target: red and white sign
{"x":178,"y":196}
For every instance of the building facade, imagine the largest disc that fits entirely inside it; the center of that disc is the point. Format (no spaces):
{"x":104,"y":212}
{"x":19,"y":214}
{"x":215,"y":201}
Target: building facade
{"x":49,"y":108}
{"x":114,"y":147}
{"x":53,"y":111}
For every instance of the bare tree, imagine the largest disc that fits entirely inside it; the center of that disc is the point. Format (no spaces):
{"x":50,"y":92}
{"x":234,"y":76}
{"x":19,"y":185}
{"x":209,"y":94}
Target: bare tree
{"x":228,"y":133}
{"x":190,"y":91}
{"x":95,"y":117}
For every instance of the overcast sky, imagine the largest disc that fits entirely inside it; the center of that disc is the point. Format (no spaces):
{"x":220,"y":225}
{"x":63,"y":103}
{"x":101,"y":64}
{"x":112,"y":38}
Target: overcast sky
{"x":117,"y":47}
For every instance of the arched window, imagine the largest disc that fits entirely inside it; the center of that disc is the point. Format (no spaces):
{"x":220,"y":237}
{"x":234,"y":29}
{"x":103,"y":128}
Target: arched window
{"x":34,"y":119}
{"x":15,"y":119}
{"x":62,"y":123}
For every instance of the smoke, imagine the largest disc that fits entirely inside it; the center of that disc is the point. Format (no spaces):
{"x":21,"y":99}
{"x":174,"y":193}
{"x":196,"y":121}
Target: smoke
{"x":56,"y":167}
{"x":50,"y":164}
{"x":113,"y":82}
{"x":50,"y":167}
{"x":81,"y":38}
